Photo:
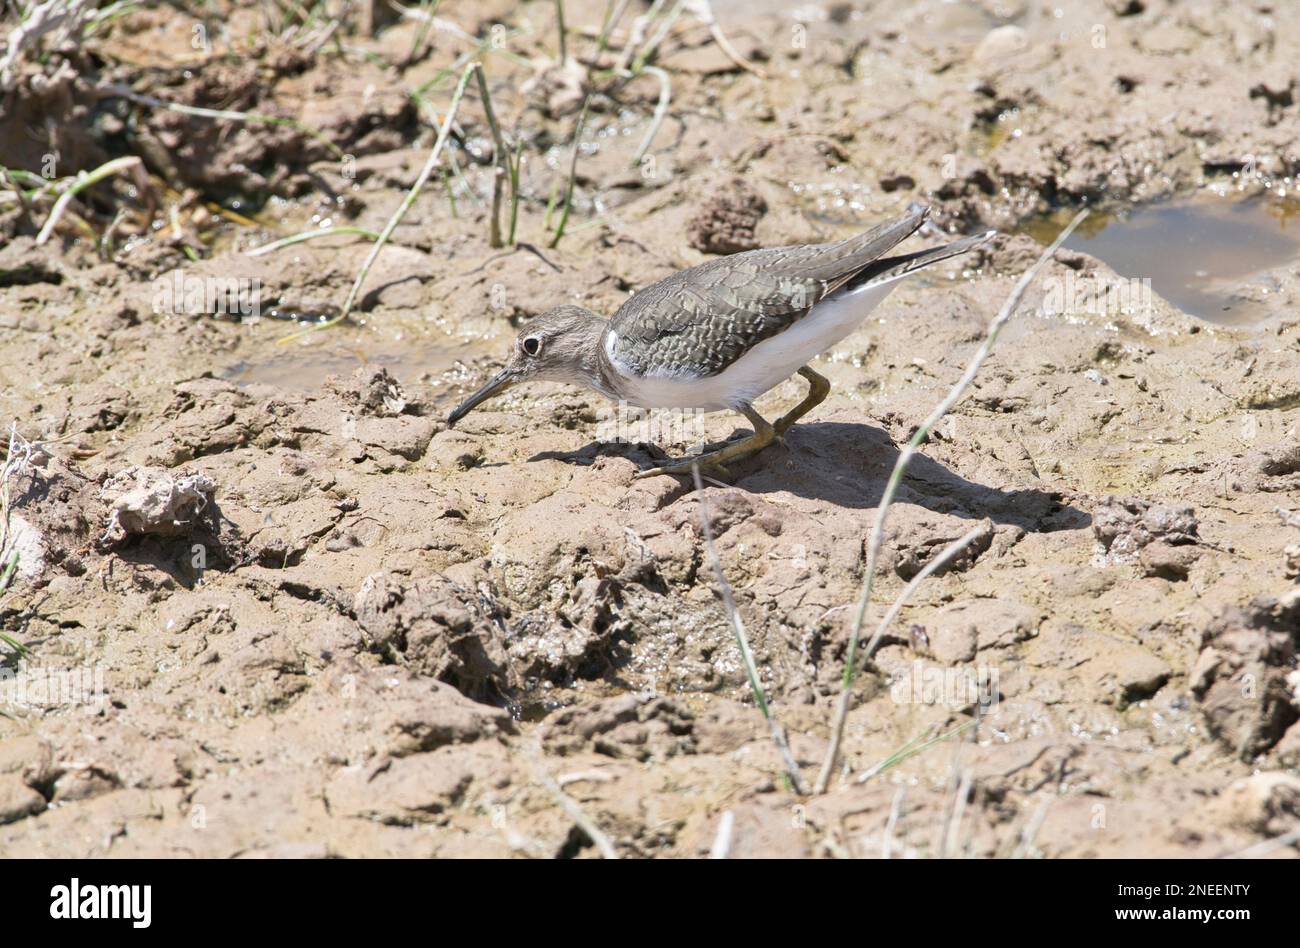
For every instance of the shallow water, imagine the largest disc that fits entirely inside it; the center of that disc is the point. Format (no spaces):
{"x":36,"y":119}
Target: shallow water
{"x":428,"y":365}
{"x":1199,"y":253}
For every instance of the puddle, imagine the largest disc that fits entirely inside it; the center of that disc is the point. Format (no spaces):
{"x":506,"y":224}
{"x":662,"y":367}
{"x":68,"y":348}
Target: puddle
{"x":416,"y":364}
{"x":1207,"y":255}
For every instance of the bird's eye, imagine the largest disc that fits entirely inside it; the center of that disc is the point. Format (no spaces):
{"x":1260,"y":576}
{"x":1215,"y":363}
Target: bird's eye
{"x":532,"y":345}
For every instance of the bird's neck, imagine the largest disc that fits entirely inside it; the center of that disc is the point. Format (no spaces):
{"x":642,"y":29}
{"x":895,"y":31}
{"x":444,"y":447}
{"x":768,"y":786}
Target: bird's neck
{"x":599,"y":374}
{"x":588,"y":365}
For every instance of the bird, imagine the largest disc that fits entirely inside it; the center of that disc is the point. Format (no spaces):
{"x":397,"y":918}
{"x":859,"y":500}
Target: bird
{"x":718,"y":335}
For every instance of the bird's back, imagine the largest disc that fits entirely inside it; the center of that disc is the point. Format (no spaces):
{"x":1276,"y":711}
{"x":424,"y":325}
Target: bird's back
{"x":700,"y":321}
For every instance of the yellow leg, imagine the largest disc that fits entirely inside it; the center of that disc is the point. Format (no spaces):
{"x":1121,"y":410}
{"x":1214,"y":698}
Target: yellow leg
{"x":818,"y":388}
{"x":764,"y":434}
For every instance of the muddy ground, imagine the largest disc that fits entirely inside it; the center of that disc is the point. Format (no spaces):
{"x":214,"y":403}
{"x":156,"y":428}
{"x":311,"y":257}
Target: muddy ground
{"x":297,"y":615}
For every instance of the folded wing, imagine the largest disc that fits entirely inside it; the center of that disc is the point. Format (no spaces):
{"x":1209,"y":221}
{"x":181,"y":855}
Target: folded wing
{"x":701,"y":320}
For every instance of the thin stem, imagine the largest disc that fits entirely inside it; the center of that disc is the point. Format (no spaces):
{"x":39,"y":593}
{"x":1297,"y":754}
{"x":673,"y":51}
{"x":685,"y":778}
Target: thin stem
{"x":612,"y":15}
{"x":514,"y":190}
{"x":427,"y":9}
{"x":661,"y":109}
{"x":703,"y":11}
{"x":653,"y":43}
{"x":451,"y":197}
{"x":573,"y":173}
{"x":500,"y":158}
{"x":564,"y":44}
{"x":936,"y":563}
{"x":895,"y":479}
{"x":308,"y":235}
{"x":911,"y":749}
{"x":576,"y":813}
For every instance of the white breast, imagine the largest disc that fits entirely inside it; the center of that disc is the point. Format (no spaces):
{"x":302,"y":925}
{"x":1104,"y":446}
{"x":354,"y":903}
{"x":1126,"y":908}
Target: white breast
{"x":765,"y":366}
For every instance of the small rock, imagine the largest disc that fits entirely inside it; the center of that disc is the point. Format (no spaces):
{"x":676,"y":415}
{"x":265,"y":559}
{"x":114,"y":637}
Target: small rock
{"x":1167,"y":561}
{"x":1001,"y":43}
{"x":631,"y":726}
{"x":951,"y":644}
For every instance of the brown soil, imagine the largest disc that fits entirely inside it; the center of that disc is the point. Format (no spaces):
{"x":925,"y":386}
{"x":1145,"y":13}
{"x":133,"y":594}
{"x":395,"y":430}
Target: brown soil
{"x":328,"y":625}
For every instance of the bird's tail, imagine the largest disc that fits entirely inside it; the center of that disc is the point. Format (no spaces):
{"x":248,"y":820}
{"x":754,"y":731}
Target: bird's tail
{"x":891,"y":268}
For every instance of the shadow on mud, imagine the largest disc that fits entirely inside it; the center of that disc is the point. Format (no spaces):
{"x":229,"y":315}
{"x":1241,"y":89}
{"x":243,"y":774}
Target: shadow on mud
{"x":848,"y":464}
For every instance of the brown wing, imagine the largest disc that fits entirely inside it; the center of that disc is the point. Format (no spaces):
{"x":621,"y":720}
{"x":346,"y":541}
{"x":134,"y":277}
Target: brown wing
{"x":701,"y":320}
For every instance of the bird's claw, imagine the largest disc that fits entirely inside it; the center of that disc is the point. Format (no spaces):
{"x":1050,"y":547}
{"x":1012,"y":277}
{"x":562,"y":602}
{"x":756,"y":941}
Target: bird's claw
{"x":685,"y":466}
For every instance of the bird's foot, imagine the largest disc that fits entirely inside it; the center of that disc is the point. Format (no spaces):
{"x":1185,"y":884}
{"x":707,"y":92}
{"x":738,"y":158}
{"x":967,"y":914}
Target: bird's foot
{"x":714,"y":462}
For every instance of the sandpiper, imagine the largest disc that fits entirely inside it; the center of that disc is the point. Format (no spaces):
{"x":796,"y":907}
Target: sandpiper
{"x":721,"y":334}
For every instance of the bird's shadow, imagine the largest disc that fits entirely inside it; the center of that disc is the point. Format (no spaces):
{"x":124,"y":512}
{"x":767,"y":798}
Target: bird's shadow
{"x":848,"y":464}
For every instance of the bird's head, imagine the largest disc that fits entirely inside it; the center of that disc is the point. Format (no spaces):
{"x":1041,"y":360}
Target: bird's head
{"x":560,"y":345}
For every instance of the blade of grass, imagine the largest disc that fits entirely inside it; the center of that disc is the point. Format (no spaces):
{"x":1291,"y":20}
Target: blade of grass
{"x":891,"y":825}
{"x":17,"y":457}
{"x":407,"y":202}
{"x":308,"y":235}
{"x":913,"y":747}
{"x":573,"y":173}
{"x":564,"y":44}
{"x":81,"y":183}
{"x":500,"y":160}
{"x":427,"y":9}
{"x":652,"y":44}
{"x":895,"y":479}
{"x":721,"y":847}
{"x":637,"y":34}
{"x":661,"y":109}
{"x":514,"y":190}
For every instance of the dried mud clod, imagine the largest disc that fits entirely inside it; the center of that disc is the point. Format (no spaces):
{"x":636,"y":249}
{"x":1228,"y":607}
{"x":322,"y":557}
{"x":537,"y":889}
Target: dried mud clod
{"x":556,"y":88}
{"x":438,"y":628}
{"x":1246,"y":676}
{"x":1161,"y":539}
{"x":148,"y":501}
{"x":55,"y":514}
{"x":576,"y":638}
{"x":371,"y":390}
{"x":727,"y":222}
